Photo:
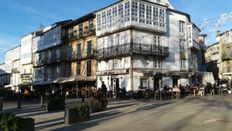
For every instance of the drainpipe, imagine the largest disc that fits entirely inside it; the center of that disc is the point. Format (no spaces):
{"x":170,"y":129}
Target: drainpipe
{"x":131,"y":61}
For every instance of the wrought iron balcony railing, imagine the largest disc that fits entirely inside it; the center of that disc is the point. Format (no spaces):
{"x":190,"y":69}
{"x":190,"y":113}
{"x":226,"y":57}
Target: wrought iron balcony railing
{"x":125,"y":50}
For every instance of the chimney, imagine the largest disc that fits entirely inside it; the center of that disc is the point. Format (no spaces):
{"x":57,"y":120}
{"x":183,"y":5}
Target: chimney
{"x":218,"y":33}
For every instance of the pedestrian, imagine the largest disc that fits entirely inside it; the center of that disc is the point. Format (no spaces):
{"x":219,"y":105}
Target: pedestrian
{"x":19,"y":100}
{"x":103,"y":88}
{"x":83,"y":95}
{"x":67,"y":94}
{"x":1,"y":103}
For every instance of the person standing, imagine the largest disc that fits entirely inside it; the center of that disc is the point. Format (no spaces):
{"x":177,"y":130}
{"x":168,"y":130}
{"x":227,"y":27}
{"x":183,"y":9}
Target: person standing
{"x":1,"y":103}
{"x":103,"y":88}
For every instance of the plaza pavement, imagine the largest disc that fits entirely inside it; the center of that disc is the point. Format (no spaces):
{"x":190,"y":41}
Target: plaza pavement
{"x":209,"y":113}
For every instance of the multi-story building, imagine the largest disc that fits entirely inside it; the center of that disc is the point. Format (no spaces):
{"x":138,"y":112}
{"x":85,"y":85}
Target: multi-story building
{"x":47,"y":52}
{"x":212,"y":57}
{"x":80,"y":65}
{"x":12,"y":66}
{"x":4,"y":76}
{"x":225,"y":54}
{"x":26,"y":68}
{"x":145,"y":44}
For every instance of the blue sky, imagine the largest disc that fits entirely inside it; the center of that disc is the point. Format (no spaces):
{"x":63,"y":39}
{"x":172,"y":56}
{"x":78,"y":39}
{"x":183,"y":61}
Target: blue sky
{"x":19,"y":17}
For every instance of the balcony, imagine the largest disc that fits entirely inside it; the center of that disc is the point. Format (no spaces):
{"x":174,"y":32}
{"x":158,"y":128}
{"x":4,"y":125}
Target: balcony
{"x":194,"y":46}
{"x":125,"y":50}
{"x":153,"y":50}
{"x":183,"y":55}
{"x":15,"y":71}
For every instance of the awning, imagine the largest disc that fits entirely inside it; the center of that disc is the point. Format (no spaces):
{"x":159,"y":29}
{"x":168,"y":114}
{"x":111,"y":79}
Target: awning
{"x":25,"y":84}
{"x":72,"y":79}
{"x":229,"y":73}
{"x":58,"y":80}
{"x":40,"y":83}
{"x":8,"y":86}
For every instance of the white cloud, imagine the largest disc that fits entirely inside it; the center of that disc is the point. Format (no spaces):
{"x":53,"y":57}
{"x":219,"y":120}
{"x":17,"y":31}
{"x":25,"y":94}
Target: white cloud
{"x":22,"y":7}
{"x":225,"y":17}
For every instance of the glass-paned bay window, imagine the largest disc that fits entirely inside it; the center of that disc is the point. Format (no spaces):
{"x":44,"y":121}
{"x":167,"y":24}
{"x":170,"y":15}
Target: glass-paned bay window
{"x":115,"y":15}
{"x":98,"y":22}
{"x":155,"y":16}
{"x":141,"y":13}
{"x":109,"y":18}
{"x":162,"y":17}
{"x":127,"y":11}
{"x":120,"y":12}
{"x":103,"y":20}
{"x":134,"y":11}
{"x":148,"y":14}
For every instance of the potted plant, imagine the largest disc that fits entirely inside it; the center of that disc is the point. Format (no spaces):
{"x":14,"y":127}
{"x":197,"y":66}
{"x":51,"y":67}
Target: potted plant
{"x":98,"y":102}
{"x":9,"y":122}
{"x":56,"y":104}
{"x":77,"y":113}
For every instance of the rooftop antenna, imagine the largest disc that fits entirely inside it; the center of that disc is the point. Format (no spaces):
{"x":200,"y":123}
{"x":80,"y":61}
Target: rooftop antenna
{"x":41,"y":26}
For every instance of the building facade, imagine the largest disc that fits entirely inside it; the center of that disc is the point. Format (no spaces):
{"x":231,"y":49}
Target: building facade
{"x":4,"y":76}
{"x":80,"y":65}
{"x":47,"y":59}
{"x":26,"y":68}
{"x":225,"y":54}
{"x":145,"y":45}
{"x":12,"y":66}
{"x":212,"y":57}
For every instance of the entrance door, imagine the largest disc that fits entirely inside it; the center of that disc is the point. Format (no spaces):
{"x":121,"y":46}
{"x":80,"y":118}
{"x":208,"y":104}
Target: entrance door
{"x":175,"y":81}
{"x":157,"y":83}
{"x":116,"y":85}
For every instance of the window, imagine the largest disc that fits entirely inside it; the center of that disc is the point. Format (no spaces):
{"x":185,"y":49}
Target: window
{"x":120,"y":13}
{"x":115,"y":15}
{"x":134,"y":11}
{"x":81,"y":30}
{"x":58,"y":71}
{"x":89,"y":48}
{"x":182,"y":64}
{"x":141,"y":13}
{"x":157,"y":63}
{"x":155,"y":16}
{"x":91,"y":25}
{"x":181,"y":26}
{"x":49,"y":56}
{"x":127,"y":11}
{"x":157,"y":40}
{"x":57,"y":54}
{"x":98,"y":22}
{"x":182,"y":47}
{"x":69,"y":52}
{"x":148,"y":15}
{"x":79,"y":51}
{"x":89,"y":68}
{"x":116,"y":63}
{"x":109,"y":18}
{"x":162,"y":18}
{"x":78,"y":68}
{"x":103,"y":20}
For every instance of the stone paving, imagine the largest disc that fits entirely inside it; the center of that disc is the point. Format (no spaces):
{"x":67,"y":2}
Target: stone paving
{"x":210,"y":113}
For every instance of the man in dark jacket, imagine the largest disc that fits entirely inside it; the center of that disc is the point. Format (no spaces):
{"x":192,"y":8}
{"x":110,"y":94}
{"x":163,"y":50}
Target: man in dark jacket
{"x":103,"y":88}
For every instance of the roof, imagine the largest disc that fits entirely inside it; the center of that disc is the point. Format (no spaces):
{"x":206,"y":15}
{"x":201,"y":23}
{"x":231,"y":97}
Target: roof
{"x":212,"y":45}
{"x":122,"y":0}
{"x":230,"y":30}
{"x":180,"y":12}
{"x":81,"y":19}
